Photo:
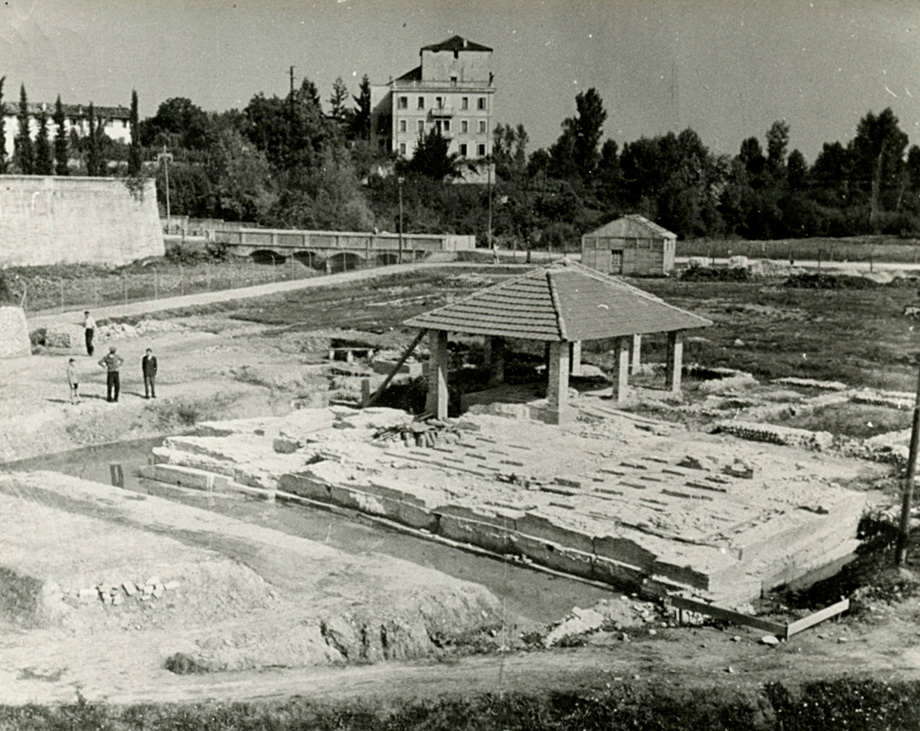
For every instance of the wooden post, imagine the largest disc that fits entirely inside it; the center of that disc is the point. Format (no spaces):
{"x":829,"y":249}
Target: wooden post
{"x":575,"y":358}
{"x":675,"y":361}
{"x":900,"y":555}
{"x":495,"y":359}
{"x":620,"y":370}
{"x":635,"y":354}
{"x":557,"y":391}
{"x":436,"y":402}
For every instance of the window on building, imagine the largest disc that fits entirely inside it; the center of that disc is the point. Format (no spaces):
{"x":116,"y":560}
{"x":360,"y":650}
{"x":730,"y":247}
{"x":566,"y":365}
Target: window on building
{"x":447,"y":125}
{"x":465,"y":102}
{"x":464,"y":126}
{"x":402,"y":148}
{"x":482,"y":126}
{"x":482,"y":103}
{"x":481,"y":150}
{"x":402,"y":125}
{"x":403,"y":102}
{"x":453,"y":80}
{"x":463,"y":150}
{"x":421,"y":126}
{"x":421,"y":102}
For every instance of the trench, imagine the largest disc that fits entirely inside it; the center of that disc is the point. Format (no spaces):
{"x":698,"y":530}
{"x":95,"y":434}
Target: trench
{"x":524,"y":593}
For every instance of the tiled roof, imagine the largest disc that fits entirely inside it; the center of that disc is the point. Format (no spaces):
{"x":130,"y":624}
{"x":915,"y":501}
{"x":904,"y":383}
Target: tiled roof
{"x":565,"y":301}
{"x":11,"y":109}
{"x":457,"y":43}
{"x":631,"y":226}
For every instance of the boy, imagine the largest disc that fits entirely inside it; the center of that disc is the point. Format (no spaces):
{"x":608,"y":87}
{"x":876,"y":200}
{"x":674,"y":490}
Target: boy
{"x":72,"y":380}
{"x":89,"y":329}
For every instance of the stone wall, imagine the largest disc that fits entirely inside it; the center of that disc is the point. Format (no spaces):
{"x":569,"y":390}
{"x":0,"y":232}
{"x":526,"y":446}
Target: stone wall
{"x":14,"y":335}
{"x":74,"y":220}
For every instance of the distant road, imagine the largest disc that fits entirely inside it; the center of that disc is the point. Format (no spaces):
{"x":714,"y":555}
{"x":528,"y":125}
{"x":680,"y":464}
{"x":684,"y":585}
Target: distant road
{"x":841,"y":266}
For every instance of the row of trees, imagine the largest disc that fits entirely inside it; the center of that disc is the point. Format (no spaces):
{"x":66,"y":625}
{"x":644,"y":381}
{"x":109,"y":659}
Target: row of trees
{"x":93,"y":153}
{"x":288,"y":162}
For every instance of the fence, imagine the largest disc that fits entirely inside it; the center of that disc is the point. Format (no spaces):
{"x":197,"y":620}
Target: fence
{"x":831,"y":251}
{"x":42,"y":292}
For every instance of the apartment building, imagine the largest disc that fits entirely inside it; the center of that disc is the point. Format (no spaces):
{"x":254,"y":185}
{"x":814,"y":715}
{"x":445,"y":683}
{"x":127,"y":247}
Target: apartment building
{"x":452,"y":90}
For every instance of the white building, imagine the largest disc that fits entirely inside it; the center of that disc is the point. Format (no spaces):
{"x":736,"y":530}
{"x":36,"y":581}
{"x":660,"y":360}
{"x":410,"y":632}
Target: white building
{"x":115,"y":121}
{"x":452,"y":90}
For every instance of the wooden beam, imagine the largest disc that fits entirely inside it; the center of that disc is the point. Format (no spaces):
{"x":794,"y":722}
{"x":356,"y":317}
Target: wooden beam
{"x":810,"y":621}
{"x":692,"y":605}
{"x":399,"y":364}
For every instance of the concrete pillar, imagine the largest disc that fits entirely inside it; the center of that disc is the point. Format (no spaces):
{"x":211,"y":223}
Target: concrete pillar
{"x":635,"y":354}
{"x":495,"y":359}
{"x":557,"y":390}
{"x":575,"y":358}
{"x":436,"y":402}
{"x":620,"y":370}
{"x":675,"y":361}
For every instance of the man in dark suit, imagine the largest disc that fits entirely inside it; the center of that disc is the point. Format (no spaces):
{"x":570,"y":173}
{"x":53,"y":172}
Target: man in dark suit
{"x":149,"y":369}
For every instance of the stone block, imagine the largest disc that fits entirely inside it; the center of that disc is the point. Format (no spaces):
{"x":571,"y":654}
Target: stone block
{"x":283,"y":445}
{"x":554,"y":556}
{"x":129,"y":587}
{"x":14,"y":335}
{"x":623,"y":551}
{"x":546,"y":528}
{"x":485,"y":535}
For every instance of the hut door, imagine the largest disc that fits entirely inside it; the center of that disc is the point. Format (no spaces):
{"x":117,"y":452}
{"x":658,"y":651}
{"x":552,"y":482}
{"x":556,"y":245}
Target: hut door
{"x":615,"y":265}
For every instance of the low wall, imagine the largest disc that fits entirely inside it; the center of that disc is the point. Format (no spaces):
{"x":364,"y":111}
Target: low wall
{"x":73,"y":220}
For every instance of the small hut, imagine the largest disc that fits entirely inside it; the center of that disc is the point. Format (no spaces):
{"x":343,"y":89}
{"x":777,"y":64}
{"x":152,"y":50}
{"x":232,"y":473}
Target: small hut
{"x":562,"y":304}
{"x":629,"y":245}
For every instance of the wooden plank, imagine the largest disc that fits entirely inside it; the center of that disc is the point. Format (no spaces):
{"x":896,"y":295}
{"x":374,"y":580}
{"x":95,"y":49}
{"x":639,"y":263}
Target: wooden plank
{"x":728,"y":615}
{"x":811,"y":620}
{"x":392,"y":374}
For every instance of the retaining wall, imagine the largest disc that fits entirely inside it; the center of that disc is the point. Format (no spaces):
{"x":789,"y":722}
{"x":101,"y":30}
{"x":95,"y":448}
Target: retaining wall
{"x":73,"y":220}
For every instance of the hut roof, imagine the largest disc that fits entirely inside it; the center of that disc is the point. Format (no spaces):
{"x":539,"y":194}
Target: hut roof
{"x":632,"y":226}
{"x":560,"y":302}
{"x":456,"y":43}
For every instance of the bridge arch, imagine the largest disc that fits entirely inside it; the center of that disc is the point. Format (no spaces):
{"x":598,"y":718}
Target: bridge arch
{"x":385,"y":258}
{"x":306,"y":257}
{"x":344,"y":261}
{"x":266,"y":256}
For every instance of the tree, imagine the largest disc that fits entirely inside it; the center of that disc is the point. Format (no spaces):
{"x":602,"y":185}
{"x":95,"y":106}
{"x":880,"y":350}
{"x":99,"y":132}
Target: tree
{"x":878,"y":159}
{"x":361,"y":121}
{"x":23,"y":155}
{"x":60,"y":140}
{"x":2,"y":129}
{"x":93,"y":164}
{"x":796,"y":171}
{"x":134,"y":154}
{"x":44,"y":163}
{"x":178,"y":123}
{"x":509,"y":152}
{"x":337,"y":108}
{"x":431,"y":158}
{"x":777,"y":143}
{"x":588,"y":128}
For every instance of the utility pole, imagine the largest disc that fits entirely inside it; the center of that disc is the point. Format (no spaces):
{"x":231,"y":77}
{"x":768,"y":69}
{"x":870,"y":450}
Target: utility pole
{"x":400,"y":180}
{"x":908,"y":496}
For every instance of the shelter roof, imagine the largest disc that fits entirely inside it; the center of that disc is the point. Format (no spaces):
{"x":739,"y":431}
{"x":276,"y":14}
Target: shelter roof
{"x":633,"y":226}
{"x":563,"y":301}
{"x":413,"y":75}
{"x":456,"y":43}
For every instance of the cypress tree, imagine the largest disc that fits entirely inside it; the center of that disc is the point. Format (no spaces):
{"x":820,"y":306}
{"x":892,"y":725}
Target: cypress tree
{"x":92,"y":154}
{"x":23,"y":155}
{"x":134,"y":153}
{"x":2,"y":129}
{"x":60,"y":140}
{"x":44,"y":164}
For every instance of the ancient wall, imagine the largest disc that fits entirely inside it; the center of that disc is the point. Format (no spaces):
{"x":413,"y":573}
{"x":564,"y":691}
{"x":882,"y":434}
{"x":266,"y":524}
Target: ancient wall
{"x":75,"y":220}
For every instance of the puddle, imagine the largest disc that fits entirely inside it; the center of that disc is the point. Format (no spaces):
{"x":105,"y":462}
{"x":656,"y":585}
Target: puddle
{"x":525,"y":593}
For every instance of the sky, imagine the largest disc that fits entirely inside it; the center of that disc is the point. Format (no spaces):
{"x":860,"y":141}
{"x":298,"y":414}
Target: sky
{"x":726,"y":68}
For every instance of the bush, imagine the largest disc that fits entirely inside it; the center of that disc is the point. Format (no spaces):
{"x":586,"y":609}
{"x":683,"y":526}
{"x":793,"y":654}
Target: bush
{"x":716,"y":274}
{"x":819,"y":280}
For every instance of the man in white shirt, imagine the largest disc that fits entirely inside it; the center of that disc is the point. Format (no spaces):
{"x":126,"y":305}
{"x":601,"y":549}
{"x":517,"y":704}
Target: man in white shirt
{"x":89,"y":329}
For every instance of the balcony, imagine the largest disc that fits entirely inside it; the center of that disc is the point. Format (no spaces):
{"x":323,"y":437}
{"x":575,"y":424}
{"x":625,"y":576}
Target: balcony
{"x":439,"y":112}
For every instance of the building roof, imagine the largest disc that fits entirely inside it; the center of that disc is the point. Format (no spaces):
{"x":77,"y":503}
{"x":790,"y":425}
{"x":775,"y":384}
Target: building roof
{"x":563,"y":301}
{"x":456,"y":43}
{"x":632,"y":226}
{"x":11,"y":109}
{"x":413,"y":75}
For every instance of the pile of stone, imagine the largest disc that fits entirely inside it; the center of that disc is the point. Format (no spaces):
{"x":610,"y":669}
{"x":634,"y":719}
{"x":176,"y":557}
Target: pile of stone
{"x":422,"y":433}
{"x":116,"y":594}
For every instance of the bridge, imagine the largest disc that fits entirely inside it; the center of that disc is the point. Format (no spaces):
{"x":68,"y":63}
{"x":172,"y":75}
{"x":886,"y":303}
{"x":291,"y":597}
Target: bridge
{"x":336,"y":251}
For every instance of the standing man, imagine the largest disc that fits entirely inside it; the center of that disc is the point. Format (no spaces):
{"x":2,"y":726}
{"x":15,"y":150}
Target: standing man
{"x":112,"y":362}
{"x":149,"y":369}
{"x":89,"y":329}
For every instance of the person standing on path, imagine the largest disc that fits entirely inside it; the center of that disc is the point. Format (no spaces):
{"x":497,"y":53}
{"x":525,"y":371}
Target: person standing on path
{"x":72,"y":380}
{"x":112,"y":362}
{"x":149,"y":369}
{"x":89,"y":329}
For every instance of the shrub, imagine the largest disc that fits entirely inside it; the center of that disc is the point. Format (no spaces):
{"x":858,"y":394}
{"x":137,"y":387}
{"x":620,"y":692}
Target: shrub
{"x":716,"y":274}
